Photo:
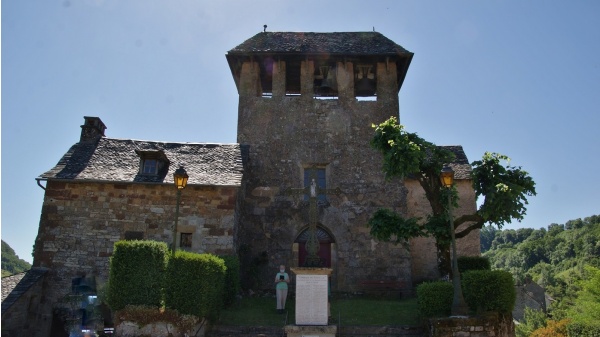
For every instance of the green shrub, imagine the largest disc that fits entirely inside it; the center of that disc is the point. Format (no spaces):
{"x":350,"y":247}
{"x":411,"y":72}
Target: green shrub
{"x":232,"y":279}
{"x":489,"y":290}
{"x":533,"y":319}
{"x":136,"y":274}
{"x":195,"y":284}
{"x":583,"y":329}
{"x":435,"y":298}
{"x":552,"y":329}
{"x":466,"y":263}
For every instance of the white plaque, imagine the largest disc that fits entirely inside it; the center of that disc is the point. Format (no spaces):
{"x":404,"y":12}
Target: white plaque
{"x":311,"y":299}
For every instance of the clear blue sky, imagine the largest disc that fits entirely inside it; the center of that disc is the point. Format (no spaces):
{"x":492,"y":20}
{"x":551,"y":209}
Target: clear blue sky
{"x":517,"y":77}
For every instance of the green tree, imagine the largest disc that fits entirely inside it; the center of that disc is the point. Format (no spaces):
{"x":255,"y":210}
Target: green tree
{"x":487,"y":236}
{"x":587,"y":303}
{"x":11,"y":263}
{"x":573,"y":224}
{"x":504,"y":188}
{"x":523,"y":234}
{"x":554,"y":258}
{"x":534,"y":251}
{"x":533,"y":320}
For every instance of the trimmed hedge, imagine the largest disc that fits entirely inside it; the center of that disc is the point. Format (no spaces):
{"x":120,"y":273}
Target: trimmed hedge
{"x":489,"y":290}
{"x":195,"y":284}
{"x":583,"y":329}
{"x":466,"y":263}
{"x":137,"y":272}
{"x":435,"y":298}
{"x":232,"y":284}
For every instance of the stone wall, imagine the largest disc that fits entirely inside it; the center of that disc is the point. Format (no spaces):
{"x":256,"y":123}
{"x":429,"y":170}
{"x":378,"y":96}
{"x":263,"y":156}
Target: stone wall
{"x":424,"y":265}
{"x":488,"y":325}
{"x":288,"y":134}
{"x":158,"y":329}
{"x":25,"y":310}
{"x":80,"y":222}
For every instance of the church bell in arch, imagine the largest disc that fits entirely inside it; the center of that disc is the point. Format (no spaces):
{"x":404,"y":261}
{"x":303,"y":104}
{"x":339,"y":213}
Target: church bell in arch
{"x":365,"y":84}
{"x":329,"y":82}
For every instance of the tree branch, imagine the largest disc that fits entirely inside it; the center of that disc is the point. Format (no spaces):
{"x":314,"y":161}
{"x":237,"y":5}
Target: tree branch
{"x":476,"y":218}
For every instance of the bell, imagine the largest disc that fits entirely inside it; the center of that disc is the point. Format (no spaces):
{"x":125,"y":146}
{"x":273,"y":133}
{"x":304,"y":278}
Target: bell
{"x":329,"y":82}
{"x":365,"y":87}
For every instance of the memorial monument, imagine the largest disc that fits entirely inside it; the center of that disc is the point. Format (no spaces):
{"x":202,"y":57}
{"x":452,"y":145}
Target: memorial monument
{"x":312,"y":281}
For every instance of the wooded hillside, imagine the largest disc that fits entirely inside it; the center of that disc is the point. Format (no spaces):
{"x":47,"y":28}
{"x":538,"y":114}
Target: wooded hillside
{"x":563,"y":258}
{"x":11,"y":263}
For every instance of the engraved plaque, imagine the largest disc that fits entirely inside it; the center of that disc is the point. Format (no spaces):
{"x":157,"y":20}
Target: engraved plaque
{"x":311,"y":299}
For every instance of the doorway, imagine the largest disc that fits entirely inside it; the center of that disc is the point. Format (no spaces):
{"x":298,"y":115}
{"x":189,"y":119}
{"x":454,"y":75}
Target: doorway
{"x":326,"y":247}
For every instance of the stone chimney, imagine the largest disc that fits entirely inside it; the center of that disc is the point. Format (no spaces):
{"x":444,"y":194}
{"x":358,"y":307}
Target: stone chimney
{"x":92,"y":130}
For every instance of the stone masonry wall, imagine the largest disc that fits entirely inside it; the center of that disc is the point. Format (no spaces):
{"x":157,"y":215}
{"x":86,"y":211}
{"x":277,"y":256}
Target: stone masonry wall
{"x":27,"y":316}
{"x":424,"y":265}
{"x":80,"y":222}
{"x":489,"y":325}
{"x":287,"y":134}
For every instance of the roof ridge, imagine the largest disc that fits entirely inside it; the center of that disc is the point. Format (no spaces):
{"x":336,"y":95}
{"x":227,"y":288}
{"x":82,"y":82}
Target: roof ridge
{"x":165,"y":142}
{"x":350,"y":43}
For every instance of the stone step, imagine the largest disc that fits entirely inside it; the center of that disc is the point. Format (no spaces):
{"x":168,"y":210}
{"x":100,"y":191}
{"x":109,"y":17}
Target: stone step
{"x":344,"y":331}
{"x":381,"y":331}
{"x":248,"y":331}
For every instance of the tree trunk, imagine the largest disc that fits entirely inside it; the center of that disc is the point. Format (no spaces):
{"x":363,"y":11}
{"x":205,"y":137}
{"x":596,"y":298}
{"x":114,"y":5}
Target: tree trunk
{"x":444,"y":261}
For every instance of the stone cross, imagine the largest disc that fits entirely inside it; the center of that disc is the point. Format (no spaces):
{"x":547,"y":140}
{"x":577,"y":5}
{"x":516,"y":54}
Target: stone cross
{"x":312,"y":244}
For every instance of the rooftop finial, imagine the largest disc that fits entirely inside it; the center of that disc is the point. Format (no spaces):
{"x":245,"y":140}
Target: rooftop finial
{"x":264,"y":28}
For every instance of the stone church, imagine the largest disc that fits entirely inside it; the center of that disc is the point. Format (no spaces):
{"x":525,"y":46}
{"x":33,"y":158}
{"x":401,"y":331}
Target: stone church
{"x":306,"y":105}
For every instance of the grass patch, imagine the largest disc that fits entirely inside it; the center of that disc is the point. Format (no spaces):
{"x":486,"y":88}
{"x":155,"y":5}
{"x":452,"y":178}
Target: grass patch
{"x":367,"y":311}
{"x":255,"y":311}
{"x":260,"y":311}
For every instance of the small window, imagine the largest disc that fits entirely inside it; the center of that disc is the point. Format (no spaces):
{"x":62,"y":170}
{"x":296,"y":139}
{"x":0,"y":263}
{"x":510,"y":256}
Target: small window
{"x":185,"y":240}
{"x":131,"y":235}
{"x":152,"y":163}
{"x":317,"y":173}
{"x":150,"y":166}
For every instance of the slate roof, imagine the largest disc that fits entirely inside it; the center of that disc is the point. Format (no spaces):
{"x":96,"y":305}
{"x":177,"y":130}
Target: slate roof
{"x":462,"y":168}
{"x":346,"y":43}
{"x":116,"y":160}
{"x":13,"y":287}
{"x":9,"y":283}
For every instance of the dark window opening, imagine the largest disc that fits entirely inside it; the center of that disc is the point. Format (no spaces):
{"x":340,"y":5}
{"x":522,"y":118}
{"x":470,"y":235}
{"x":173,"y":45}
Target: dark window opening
{"x":266,"y":77}
{"x":325,"y":81}
{"x":365,"y":81}
{"x":185,"y":240}
{"x":292,"y":78}
{"x":131,"y":236}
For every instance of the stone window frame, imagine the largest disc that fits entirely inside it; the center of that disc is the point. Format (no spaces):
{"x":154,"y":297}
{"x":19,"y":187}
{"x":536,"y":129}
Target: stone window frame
{"x":322,"y":175}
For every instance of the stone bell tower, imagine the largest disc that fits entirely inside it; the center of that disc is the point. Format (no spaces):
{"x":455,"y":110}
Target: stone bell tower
{"x":306,"y":105}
